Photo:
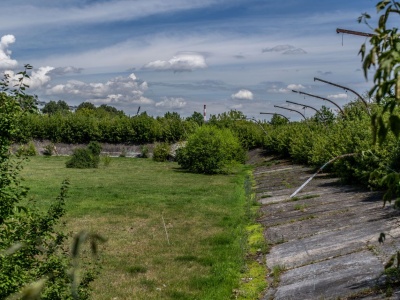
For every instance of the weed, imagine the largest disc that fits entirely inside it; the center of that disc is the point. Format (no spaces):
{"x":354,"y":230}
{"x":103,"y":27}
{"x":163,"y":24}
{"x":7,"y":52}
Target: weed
{"x":310,"y":217}
{"x":106,"y":160}
{"x":300,"y":207}
{"x":287,"y":184}
{"x":137,"y":269}
{"x":144,"y":151}
{"x":276,"y":273}
{"x":265,"y":196}
{"x":310,"y":196}
{"x":123,"y":153}
{"x":186,"y":258}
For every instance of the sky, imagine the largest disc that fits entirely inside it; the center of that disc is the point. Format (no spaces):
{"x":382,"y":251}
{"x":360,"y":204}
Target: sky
{"x":179,"y":55}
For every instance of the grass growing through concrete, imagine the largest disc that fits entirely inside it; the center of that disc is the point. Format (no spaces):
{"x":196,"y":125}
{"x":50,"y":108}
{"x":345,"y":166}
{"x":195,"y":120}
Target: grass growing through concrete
{"x":129,"y":202}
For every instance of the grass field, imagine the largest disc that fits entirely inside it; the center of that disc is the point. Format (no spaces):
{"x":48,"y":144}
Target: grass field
{"x":128,"y":203}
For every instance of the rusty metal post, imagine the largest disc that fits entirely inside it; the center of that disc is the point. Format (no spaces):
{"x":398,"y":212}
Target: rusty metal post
{"x":267,"y":113}
{"x":345,"y":88}
{"x":291,"y":110}
{"x":322,"y":98}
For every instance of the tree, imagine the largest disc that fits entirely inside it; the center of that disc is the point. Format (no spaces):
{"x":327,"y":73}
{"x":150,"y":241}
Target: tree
{"x":86,"y":105}
{"x":31,"y":248}
{"x":110,"y":110}
{"x":324,"y":115}
{"x":210,"y":150}
{"x":53,"y":107}
{"x":197,"y":118}
{"x":384,"y":56}
{"x":278,"y":120}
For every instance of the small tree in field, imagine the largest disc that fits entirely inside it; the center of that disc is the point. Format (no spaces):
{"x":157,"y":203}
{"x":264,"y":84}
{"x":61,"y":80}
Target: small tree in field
{"x":210,"y":150}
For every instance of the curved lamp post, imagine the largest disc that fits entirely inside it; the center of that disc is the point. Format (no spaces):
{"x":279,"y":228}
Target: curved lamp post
{"x":267,"y":113}
{"x":322,"y":98}
{"x":291,"y":110}
{"x":345,"y":88}
{"x":316,"y":110}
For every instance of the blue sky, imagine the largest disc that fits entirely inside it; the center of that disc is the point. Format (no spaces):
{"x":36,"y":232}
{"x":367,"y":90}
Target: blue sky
{"x":177,"y":55}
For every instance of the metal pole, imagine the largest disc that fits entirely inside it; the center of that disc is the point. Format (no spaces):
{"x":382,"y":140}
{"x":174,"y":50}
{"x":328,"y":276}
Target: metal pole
{"x":339,"y":30}
{"x":303,"y":105}
{"x":322,"y":98}
{"x":266,"y":113}
{"x":259,"y":124}
{"x":291,"y":110}
{"x":345,"y":88}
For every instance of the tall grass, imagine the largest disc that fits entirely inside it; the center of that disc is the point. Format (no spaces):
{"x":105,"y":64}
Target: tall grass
{"x":129,"y":202}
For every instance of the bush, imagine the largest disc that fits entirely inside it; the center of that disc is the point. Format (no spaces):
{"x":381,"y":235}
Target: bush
{"x":144,"y":151}
{"x":210,"y":150}
{"x":27,"y":150}
{"x":49,"y":149}
{"x":161,"y":152}
{"x":32,"y":247}
{"x":84,"y":158}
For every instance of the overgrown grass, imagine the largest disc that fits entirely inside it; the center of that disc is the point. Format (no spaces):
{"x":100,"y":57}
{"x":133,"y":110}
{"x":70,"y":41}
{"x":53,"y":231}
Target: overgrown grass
{"x":127,"y":201}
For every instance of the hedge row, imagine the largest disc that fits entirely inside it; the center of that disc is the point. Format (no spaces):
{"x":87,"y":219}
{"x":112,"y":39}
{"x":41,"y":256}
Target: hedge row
{"x":77,"y":128}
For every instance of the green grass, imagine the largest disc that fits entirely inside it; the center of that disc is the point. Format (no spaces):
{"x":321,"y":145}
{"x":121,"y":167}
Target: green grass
{"x":126,"y":203}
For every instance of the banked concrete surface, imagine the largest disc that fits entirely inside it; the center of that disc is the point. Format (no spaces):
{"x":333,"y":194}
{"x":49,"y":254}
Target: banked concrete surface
{"x":326,"y":238}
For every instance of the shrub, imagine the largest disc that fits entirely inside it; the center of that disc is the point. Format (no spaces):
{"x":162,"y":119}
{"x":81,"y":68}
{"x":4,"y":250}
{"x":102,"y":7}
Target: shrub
{"x":210,"y":150}
{"x":49,"y":149}
{"x":144,"y":151}
{"x":32,"y":252}
{"x":27,"y":150}
{"x":84,"y":158}
{"x":106,"y":160}
{"x":161,"y":152}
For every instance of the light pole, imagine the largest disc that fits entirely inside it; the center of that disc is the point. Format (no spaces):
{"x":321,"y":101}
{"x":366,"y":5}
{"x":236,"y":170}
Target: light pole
{"x":267,"y":113}
{"x":322,"y":98}
{"x":345,"y":88}
{"x":316,"y":110}
{"x":291,"y":110}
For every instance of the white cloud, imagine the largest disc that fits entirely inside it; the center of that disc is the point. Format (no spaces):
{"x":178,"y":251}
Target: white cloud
{"x":293,"y":86}
{"x":284,"y":49}
{"x":288,"y":89}
{"x":294,"y":51}
{"x":119,"y":90}
{"x":279,"y":48}
{"x":338,"y":96}
{"x":65,"y":70}
{"x":37,"y":79}
{"x":243,"y":95}
{"x":62,"y":12}
{"x":5,"y":55}
{"x":182,"y":62}
{"x":172,"y":102}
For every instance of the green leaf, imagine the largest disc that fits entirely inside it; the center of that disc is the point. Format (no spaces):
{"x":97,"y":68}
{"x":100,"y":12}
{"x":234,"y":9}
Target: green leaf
{"x":394,"y":122}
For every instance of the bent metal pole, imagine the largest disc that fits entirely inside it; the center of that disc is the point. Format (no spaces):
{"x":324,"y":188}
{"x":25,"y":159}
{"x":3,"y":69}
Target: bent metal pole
{"x":267,"y":113}
{"x":302,"y":105}
{"x":345,"y":88}
{"x":322,"y":98}
{"x":291,"y":110}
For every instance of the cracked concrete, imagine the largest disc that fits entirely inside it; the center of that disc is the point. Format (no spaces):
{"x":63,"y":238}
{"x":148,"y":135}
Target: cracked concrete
{"x":326,"y":239}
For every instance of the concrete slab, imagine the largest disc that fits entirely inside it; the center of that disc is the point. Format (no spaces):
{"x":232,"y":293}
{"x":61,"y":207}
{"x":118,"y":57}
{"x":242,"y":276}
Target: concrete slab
{"x":331,"y":279}
{"x":327,"y":239}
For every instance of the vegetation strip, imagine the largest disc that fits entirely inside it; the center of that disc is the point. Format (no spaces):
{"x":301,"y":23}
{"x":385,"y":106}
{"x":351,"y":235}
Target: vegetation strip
{"x":205,"y":216}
